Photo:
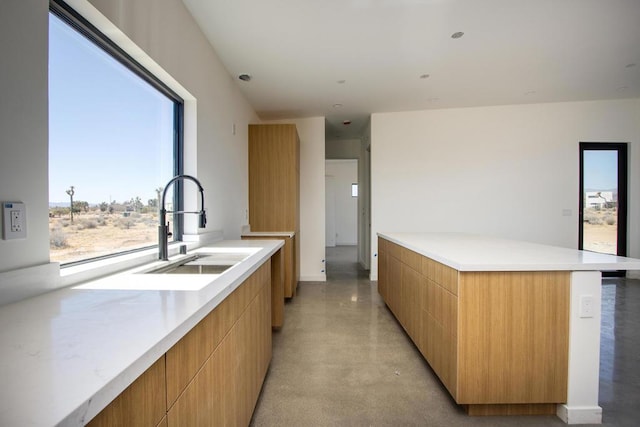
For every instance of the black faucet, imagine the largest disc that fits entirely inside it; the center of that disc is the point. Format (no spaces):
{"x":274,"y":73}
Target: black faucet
{"x":163,"y":228}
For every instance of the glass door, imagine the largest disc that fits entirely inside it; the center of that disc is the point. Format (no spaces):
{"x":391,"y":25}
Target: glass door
{"x":603,"y":198}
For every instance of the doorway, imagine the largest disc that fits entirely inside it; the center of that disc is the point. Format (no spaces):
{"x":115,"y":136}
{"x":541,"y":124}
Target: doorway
{"x":341,"y":204}
{"x":341,"y":217}
{"x":603,"y":198}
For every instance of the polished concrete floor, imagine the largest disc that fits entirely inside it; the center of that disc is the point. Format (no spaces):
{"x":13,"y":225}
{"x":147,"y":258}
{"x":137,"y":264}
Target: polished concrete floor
{"x":342,"y":359}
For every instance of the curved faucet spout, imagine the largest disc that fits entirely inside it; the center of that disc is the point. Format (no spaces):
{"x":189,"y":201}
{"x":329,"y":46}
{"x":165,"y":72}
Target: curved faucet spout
{"x":163,"y":228}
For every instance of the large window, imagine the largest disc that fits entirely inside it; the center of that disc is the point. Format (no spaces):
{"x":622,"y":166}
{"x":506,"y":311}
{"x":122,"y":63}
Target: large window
{"x":114,"y":142}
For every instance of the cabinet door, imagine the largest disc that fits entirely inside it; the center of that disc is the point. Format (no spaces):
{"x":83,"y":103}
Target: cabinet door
{"x":383,"y":269}
{"x":394,"y":286}
{"x":274,"y":177}
{"x":143,"y":403}
{"x":188,"y":355}
{"x":410,"y":297}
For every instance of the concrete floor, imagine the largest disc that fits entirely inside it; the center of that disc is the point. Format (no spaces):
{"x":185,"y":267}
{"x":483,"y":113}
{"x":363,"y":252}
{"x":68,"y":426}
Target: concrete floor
{"x":342,"y":359}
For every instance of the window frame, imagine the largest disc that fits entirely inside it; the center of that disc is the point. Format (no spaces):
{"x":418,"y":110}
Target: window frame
{"x":80,"y":24}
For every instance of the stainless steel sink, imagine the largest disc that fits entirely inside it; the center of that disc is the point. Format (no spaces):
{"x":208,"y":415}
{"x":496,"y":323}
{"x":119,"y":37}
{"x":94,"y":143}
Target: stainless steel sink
{"x":204,"y":263}
{"x":191,"y":269}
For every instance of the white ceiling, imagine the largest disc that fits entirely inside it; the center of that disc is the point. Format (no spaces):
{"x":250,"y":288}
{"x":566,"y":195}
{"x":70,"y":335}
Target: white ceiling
{"x":512,"y":52}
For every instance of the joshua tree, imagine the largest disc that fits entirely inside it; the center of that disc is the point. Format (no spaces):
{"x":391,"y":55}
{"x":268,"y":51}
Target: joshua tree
{"x":158,"y":193}
{"x":71,"y":192}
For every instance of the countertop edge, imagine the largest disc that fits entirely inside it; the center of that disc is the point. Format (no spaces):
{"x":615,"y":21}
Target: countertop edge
{"x":404,"y":239}
{"x":268,"y":234}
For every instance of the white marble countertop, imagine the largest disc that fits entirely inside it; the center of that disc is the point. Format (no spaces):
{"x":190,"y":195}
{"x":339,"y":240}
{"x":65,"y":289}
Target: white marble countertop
{"x":469,"y":252}
{"x":268,"y":233}
{"x":66,"y":354}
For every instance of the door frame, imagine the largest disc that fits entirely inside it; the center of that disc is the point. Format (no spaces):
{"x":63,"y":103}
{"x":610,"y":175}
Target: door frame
{"x":621,"y":148}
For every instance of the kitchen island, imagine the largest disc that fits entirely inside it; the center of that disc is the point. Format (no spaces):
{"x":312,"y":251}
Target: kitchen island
{"x":509,"y":327}
{"x":142,"y":347}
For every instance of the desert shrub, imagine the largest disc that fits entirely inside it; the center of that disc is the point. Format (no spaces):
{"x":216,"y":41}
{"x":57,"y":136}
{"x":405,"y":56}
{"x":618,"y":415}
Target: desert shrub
{"x":125,"y":223}
{"x":101,"y":221}
{"x":65,"y":223}
{"x":149,"y":220}
{"x":610,"y":220}
{"x":592,"y":219}
{"x":57,"y":239}
{"x":86,"y":223}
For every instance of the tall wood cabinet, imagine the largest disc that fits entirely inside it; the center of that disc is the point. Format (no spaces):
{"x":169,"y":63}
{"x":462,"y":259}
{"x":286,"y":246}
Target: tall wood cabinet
{"x":274,"y":186}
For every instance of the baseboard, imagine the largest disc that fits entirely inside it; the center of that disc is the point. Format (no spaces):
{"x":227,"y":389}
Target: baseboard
{"x":580,"y":414}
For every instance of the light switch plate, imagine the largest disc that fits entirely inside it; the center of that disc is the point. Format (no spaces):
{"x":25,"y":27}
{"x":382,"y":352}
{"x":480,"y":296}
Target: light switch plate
{"x":14,"y":220}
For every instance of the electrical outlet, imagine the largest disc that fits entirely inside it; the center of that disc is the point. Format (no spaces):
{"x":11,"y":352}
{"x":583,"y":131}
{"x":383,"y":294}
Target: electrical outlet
{"x":14,"y":220}
{"x":587,"y":308}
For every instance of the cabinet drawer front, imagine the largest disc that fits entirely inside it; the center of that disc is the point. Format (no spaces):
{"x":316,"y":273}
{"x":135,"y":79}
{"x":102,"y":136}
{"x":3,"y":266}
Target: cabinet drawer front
{"x":411,"y":258}
{"x":443,"y":275}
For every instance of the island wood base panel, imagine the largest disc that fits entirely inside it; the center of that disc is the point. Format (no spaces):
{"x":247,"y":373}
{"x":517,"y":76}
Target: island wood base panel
{"x":515,"y":409}
{"x":498,"y":340}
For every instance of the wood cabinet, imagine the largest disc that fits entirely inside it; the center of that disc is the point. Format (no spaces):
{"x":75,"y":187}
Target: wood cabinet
{"x":224,"y":389}
{"x":213,"y":375}
{"x":274,"y":188}
{"x":498,"y":341}
{"x":289,"y":258}
{"x":143,"y":403}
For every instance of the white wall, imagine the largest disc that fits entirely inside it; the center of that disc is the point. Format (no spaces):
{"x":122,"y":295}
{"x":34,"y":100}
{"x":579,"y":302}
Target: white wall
{"x":24,"y":126}
{"x":312,"y":238}
{"x":164,"y":37}
{"x":342,"y":148}
{"x":345,"y":210}
{"x":330,"y":211}
{"x":477,"y":169}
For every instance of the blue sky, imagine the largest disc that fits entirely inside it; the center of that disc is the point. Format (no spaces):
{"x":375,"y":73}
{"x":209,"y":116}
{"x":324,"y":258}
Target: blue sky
{"x":600,"y":169}
{"x":106,"y":125}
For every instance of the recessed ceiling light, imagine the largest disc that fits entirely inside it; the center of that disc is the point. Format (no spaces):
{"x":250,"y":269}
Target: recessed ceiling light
{"x":530,"y":92}
{"x":346,"y":122}
{"x":424,"y":76}
{"x":457,"y":35}
{"x":433,"y":99}
{"x":340,"y":82}
{"x":337,"y":105}
{"x":623,"y":88}
{"x":630,"y":65}
{"x":245,"y":77}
